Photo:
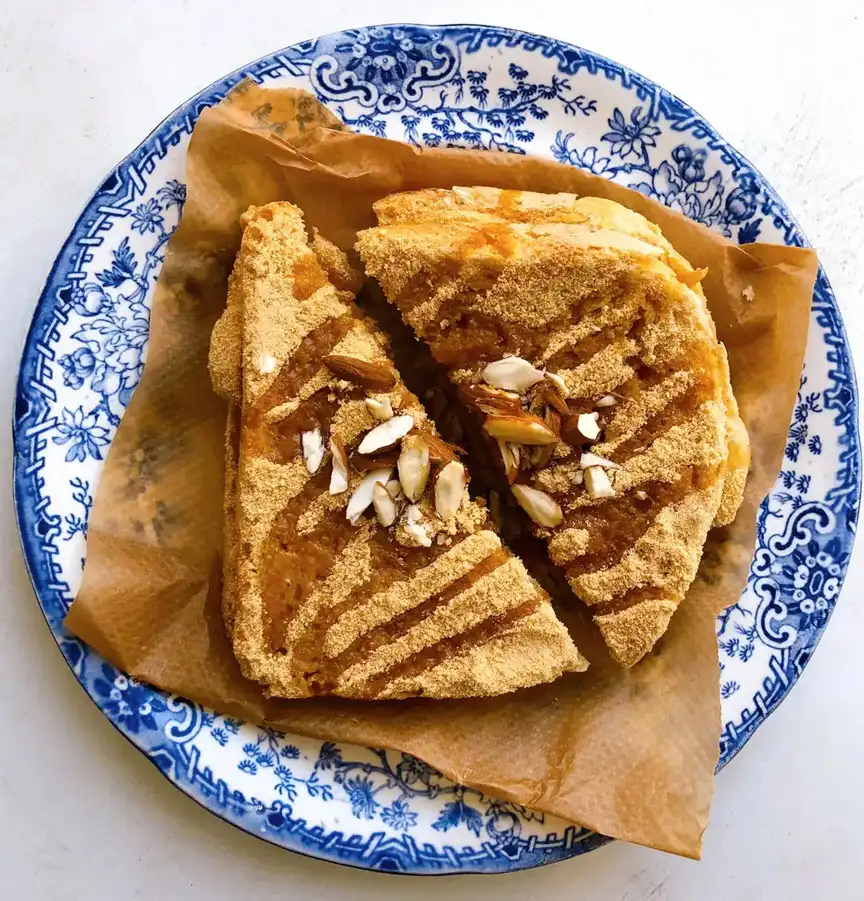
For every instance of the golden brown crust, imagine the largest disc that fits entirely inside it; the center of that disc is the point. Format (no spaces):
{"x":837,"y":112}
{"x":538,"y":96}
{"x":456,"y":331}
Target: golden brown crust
{"x":335,"y":263}
{"x":632,"y":633}
{"x":595,"y":294}
{"x":597,"y":213}
{"x":314,"y":604}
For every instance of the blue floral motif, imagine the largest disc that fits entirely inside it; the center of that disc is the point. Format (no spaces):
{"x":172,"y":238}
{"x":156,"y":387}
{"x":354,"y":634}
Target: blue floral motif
{"x":631,"y":137}
{"x":413,"y":771}
{"x":133,"y":705}
{"x":457,"y":813}
{"x":89,"y":300}
{"x":480,"y":123}
{"x":82,"y":432}
{"x":397,"y":816}
{"x":382,"y":68}
{"x":115,"y":319}
{"x":148,"y":217}
{"x":799,"y":433}
{"x":815,"y":575}
{"x":684,"y":187}
{"x":727,"y":689}
{"x":361,"y":794}
{"x":78,"y":367}
{"x":330,"y":756}
{"x":589,"y":158}
{"x":173,"y":194}
{"x":76,"y":523}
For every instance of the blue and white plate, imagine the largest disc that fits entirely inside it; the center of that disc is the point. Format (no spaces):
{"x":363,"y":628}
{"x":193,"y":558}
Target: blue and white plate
{"x":467,"y":86}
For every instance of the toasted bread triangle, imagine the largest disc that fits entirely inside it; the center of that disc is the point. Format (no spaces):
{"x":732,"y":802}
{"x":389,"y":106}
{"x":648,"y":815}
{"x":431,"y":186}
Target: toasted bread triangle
{"x":592,"y":292}
{"x":313,"y":603}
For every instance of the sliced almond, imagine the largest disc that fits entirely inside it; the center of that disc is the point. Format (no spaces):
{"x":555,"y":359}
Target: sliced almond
{"x":415,"y":527}
{"x":572,"y":429}
{"x":439,"y":450}
{"x":524,"y":429}
{"x":362,"y":496}
{"x":413,"y":514}
{"x":394,"y":489}
{"x":597,"y":482}
{"x":385,"y":506}
{"x":380,"y":408}
{"x":368,"y":462}
{"x":339,"y":475}
{"x":313,"y":450}
{"x":266,"y":363}
{"x":449,"y":489}
{"x":640,"y":495}
{"x":413,"y":466}
{"x":558,"y":382}
{"x":587,"y":426}
{"x":542,"y":509}
{"x":375,"y":376}
{"x":419,"y":533}
{"x":512,"y":374}
{"x":608,"y":400}
{"x":510,"y":456}
{"x":490,"y":400}
{"x":589,"y":460}
{"x":386,"y":434}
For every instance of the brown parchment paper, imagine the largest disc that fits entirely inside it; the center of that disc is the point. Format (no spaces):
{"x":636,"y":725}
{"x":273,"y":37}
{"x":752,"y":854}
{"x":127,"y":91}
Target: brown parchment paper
{"x":627,"y":753}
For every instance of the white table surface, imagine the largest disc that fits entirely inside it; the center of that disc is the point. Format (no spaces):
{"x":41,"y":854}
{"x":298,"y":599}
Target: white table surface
{"x":82,"y":813}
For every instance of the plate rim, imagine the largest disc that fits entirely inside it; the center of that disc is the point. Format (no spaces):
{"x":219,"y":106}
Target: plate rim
{"x":617,"y":70}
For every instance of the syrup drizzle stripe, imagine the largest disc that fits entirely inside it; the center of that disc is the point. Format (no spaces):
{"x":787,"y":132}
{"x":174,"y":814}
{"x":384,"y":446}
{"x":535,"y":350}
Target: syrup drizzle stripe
{"x":603,"y":372}
{"x":665,"y":557}
{"x":405,"y":594}
{"x":496,"y":593}
{"x":443,"y":658}
{"x":404,"y":622}
{"x":631,"y":415}
{"x":343,"y":578}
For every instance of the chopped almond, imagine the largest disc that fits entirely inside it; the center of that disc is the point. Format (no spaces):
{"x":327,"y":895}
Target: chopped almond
{"x":339,"y":475}
{"x":380,"y":408}
{"x":597,"y":482}
{"x":386,"y":434}
{"x":512,"y":374}
{"x":542,"y":509}
{"x":413,"y":465}
{"x":313,"y":450}
{"x":361,"y":499}
{"x":385,"y":506}
{"x":524,"y":429}
{"x":450,"y":489}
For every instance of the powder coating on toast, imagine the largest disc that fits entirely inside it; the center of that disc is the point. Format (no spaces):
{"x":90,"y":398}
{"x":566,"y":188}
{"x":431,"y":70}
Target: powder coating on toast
{"x":325,"y":591}
{"x":584,"y":310}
